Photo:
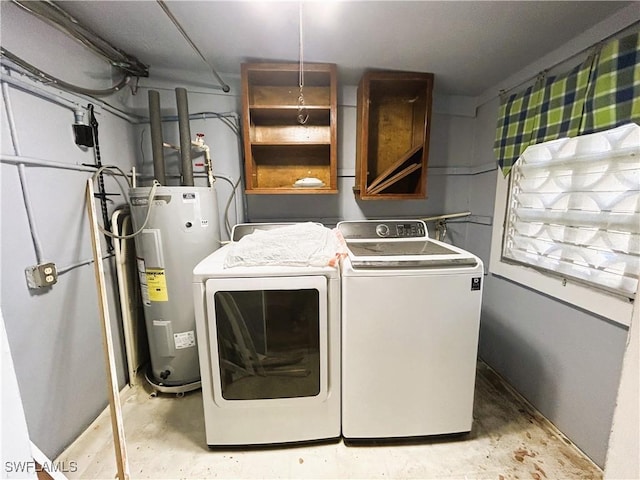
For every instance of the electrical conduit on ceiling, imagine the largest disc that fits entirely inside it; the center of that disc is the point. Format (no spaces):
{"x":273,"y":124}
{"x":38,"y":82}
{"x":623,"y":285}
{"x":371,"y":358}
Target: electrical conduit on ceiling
{"x":50,"y":79}
{"x":54,"y":15}
{"x":223,"y":86}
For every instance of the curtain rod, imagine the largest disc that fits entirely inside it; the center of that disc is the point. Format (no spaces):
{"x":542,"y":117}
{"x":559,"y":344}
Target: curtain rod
{"x":600,"y":42}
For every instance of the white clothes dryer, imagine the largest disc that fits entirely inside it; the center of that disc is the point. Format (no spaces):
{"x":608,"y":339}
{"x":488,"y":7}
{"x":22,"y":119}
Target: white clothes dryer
{"x":410,"y":321}
{"x":269,"y":349}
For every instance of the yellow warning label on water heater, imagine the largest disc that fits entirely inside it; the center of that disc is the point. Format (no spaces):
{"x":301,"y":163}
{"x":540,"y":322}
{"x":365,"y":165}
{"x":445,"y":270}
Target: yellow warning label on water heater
{"x":157,"y":285}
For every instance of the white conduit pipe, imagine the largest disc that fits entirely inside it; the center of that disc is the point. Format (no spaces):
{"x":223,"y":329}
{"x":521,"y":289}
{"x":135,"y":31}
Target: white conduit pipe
{"x":132,"y":119}
{"x":232,"y":197}
{"x":37,"y":246}
{"x":62,"y":101}
{"x":20,"y":85}
{"x":38,"y":162}
{"x":22,"y":161}
{"x":63,"y":270}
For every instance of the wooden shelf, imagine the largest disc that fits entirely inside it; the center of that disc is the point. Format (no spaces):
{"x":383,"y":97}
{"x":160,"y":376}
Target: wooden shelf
{"x":393,"y":119}
{"x":271,"y":115}
{"x":393,"y":180}
{"x":384,"y":176}
{"x":278,"y":149}
{"x":290,"y":135}
{"x":261,"y":96}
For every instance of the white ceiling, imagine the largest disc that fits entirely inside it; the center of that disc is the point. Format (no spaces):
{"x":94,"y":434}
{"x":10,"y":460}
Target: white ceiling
{"x":470,"y":46}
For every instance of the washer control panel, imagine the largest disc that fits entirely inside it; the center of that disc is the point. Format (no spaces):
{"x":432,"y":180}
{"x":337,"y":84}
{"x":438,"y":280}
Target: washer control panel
{"x":410,"y":230}
{"x":374,"y":229}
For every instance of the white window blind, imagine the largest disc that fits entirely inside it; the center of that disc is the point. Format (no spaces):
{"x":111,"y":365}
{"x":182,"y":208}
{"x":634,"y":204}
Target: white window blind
{"x":574,"y":209}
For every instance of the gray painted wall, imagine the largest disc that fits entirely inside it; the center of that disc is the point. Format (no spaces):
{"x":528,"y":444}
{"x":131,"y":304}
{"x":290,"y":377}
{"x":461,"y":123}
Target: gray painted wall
{"x":55,"y":334}
{"x":565,"y":361}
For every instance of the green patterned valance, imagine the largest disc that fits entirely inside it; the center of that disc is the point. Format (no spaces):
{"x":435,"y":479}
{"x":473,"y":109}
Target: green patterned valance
{"x":614,"y":90}
{"x":601,"y":93}
{"x":562,"y":104}
{"x":516,"y":122}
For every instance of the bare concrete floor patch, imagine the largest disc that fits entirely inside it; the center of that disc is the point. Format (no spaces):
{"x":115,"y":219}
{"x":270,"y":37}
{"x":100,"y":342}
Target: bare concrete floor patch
{"x":165,"y":440}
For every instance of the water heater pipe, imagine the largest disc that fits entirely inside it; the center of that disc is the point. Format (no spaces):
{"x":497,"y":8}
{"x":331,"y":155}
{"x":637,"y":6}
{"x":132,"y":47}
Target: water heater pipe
{"x":185,"y":137}
{"x":156,"y":137}
{"x":199,"y":142}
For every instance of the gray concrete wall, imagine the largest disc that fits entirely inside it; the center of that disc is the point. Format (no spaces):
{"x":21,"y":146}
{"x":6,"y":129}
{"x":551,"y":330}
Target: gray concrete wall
{"x":564,"y":360}
{"x":54,"y":334}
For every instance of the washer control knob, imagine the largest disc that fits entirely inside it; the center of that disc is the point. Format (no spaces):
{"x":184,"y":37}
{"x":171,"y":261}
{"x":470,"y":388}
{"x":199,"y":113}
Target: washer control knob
{"x":382,"y":230}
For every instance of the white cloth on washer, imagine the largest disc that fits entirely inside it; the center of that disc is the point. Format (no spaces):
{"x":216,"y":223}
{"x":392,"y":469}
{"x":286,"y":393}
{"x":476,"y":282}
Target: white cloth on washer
{"x":300,"y":244}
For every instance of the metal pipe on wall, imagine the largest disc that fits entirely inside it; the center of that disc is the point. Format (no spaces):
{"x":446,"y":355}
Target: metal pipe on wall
{"x":59,"y":97}
{"x":156,"y":137}
{"x":22,"y":175}
{"x":185,"y":137}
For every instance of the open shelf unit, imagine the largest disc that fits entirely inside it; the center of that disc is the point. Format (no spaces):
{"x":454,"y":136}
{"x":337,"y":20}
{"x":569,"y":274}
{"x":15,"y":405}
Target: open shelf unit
{"x":279,"y":150}
{"x":393,"y":120}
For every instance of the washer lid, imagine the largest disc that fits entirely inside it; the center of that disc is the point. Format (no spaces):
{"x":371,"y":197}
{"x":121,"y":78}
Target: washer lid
{"x":391,"y":249}
{"x":423,"y":254}
{"x":399,"y":244}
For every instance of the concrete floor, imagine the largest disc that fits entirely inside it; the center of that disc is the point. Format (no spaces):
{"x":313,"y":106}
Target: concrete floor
{"x":165,"y":439}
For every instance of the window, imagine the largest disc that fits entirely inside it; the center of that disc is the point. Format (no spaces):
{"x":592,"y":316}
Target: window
{"x":571,"y":225}
{"x":573,"y":216}
{"x":574,"y":209}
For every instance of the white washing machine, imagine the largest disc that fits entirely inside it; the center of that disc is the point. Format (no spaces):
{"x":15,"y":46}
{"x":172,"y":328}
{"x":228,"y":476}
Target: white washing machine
{"x":410,"y":322}
{"x":269,"y":350}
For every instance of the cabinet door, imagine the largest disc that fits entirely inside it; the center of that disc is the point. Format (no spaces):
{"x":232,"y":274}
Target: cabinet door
{"x":394,"y":116}
{"x":290,"y":144}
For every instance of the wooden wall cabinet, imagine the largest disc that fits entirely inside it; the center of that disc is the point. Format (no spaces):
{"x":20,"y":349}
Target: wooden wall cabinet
{"x":393,"y":120}
{"x":279,"y":151}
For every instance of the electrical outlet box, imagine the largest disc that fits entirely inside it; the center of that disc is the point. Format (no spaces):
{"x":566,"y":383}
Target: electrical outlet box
{"x":42,"y":275}
{"x":83,"y":134}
